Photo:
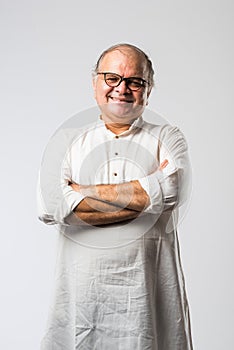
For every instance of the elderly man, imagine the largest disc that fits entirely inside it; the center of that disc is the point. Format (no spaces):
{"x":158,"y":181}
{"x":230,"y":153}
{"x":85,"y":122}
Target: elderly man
{"x":114,"y":195}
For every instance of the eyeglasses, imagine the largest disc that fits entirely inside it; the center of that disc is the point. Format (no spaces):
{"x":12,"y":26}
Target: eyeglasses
{"x":114,"y":80}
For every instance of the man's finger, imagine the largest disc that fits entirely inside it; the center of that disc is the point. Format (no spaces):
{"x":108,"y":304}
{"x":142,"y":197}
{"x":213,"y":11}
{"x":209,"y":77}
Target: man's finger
{"x":163,"y":164}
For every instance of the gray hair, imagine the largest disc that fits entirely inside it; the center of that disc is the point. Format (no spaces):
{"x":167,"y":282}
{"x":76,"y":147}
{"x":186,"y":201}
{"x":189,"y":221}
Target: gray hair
{"x":134,"y":48}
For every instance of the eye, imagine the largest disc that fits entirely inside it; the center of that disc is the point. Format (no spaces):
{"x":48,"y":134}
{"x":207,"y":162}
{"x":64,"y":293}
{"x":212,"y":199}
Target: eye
{"x":136,"y":83}
{"x":112,"y":78}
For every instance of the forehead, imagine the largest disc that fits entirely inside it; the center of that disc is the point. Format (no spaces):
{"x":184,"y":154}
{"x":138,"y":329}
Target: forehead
{"x":123,"y":61}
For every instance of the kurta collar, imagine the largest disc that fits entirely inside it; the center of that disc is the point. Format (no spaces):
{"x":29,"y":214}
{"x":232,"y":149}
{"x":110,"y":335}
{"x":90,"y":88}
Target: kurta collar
{"x":135,"y":125}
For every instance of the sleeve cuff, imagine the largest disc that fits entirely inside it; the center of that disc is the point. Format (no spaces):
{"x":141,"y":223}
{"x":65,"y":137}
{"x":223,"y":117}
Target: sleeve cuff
{"x":68,"y":204}
{"x":151,"y":185}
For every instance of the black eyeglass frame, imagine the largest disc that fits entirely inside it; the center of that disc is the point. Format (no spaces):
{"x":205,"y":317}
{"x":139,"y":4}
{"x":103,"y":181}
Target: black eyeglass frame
{"x":141,"y":81}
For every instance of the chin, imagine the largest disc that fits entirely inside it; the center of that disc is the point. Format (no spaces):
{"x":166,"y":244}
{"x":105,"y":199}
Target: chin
{"x":120,"y":113}
{"x":126,"y":112}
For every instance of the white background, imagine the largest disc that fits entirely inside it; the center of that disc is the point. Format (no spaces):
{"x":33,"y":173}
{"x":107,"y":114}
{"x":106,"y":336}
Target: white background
{"x":48,"y":49}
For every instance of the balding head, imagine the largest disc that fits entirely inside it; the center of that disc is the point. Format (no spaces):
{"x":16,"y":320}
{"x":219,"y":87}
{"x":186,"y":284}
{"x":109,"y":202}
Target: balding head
{"x":131,"y":51}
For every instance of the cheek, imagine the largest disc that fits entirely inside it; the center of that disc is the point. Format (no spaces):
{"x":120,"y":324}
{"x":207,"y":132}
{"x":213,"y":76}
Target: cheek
{"x":101,"y":92}
{"x":142,"y":99}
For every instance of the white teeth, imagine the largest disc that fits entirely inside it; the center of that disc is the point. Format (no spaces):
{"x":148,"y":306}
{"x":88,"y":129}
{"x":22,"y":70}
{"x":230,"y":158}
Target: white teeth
{"x":118,"y":100}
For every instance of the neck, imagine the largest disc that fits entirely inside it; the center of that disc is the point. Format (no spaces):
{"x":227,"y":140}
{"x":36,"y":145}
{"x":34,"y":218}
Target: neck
{"x":117,"y":128}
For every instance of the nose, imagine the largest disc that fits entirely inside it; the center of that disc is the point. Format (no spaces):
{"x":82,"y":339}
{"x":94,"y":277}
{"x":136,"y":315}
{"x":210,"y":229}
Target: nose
{"x":122,"y":87}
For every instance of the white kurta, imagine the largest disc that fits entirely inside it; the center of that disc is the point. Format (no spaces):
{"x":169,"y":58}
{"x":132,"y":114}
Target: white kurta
{"x":118,"y":286}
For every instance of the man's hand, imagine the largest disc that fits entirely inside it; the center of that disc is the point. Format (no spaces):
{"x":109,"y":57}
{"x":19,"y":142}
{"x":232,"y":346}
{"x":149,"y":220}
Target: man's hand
{"x":105,"y":204}
{"x":76,"y":187}
{"x":126,"y":195}
{"x":163,"y":164}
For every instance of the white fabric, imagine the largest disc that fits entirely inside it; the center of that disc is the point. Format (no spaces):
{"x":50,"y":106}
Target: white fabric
{"x":118,"y":286}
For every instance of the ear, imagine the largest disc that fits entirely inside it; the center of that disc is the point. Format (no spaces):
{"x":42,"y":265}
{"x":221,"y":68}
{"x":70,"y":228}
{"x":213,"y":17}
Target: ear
{"x":148,"y":94}
{"x":149,"y":91}
{"x":94,"y":84}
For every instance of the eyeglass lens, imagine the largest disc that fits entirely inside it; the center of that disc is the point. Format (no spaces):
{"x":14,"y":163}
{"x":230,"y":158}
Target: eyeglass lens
{"x":114,"y":80}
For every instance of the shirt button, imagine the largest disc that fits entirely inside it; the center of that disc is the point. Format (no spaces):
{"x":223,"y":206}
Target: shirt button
{"x":116,"y":136}
{"x":116,"y":153}
{"x":115,"y":174}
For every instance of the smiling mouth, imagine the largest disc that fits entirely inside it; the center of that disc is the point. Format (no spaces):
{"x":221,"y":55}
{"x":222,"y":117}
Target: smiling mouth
{"x":120,"y":100}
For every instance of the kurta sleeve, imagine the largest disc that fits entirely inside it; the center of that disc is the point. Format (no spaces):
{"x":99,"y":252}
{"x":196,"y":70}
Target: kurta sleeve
{"x":170,"y":187}
{"x":56,"y":199}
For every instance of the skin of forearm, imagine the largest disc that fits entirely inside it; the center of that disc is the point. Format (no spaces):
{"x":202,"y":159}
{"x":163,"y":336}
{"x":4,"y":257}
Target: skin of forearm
{"x":90,"y":205}
{"x":107,"y":204}
{"x":95,"y":212}
{"x":102,"y":203}
{"x":128,"y":195}
{"x":103,"y":218}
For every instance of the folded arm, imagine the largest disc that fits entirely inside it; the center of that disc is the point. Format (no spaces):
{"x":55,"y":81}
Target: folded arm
{"x":105,"y":204}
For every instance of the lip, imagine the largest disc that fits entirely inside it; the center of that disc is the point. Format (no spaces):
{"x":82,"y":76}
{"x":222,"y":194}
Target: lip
{"x":120,"y":100}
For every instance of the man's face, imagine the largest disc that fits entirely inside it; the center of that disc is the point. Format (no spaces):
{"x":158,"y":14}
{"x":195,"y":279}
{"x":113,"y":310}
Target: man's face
{"x":120,"y":104}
